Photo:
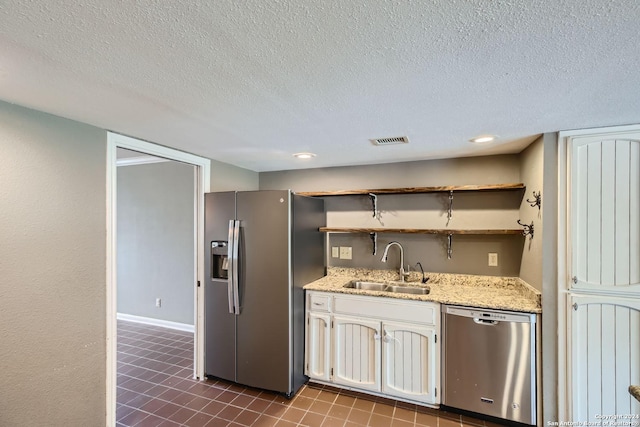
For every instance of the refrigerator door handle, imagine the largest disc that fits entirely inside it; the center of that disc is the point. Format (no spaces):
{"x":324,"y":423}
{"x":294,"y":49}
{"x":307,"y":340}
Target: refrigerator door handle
{"x":236,"y":278}
{"x":230,"y":279}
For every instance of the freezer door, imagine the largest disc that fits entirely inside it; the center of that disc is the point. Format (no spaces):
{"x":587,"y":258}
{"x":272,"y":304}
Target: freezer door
{"x":264,"y":325}
{"x":220,"y":332}
{"x":220,"y":323}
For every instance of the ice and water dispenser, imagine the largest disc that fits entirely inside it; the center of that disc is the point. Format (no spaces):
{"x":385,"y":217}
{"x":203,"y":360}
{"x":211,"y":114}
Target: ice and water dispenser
{"x":219,"y":261}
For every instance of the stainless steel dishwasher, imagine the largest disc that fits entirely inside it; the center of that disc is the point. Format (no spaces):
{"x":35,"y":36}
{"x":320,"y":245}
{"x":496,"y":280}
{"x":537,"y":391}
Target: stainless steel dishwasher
{"x":488,"y":362}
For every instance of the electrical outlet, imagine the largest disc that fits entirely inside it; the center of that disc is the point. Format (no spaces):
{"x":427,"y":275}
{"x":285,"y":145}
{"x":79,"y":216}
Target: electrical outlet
{"x":158,"y":302}
{"x":335,"y":252}
{"x":345,"y":252}
{"x":493,"y":259}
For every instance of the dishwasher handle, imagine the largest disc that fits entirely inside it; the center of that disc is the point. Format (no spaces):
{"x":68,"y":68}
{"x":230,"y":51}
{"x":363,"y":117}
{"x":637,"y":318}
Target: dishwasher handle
{"x":486,"y":322}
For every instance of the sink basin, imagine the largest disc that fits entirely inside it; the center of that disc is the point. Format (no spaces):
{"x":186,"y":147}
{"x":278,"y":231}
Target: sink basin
{"x":417,"y":290}
{"x":385,"y":287}
{"x":366,"y":286}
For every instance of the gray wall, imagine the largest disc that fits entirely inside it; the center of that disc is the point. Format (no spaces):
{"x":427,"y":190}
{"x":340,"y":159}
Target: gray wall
{"x":470,"y":210}
{"x":531,"y":166}
{"x":460,"y":171}
{"x":226,"y":177}
{"x":155,"y":241}
{"x":52,"y":270}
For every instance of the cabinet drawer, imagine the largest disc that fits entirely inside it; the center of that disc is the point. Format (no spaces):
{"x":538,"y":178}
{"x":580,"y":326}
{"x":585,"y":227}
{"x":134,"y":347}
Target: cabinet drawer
{"x":319,"y":302}
{"x":426,"y":313}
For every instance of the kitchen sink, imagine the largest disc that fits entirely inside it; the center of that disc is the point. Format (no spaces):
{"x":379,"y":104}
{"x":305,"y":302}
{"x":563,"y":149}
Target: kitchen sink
{"x":386,"y":287}
{"x":401,"y":289}
{"x":366,"y":286}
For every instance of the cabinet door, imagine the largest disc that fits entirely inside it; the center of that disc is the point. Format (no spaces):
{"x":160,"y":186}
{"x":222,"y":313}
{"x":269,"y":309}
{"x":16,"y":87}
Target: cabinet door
{"x":605,"y":356}
{"x":356,"y":352}
{"x":605,"y":212}
{"x":410,"y":361}
{"x":318,"y":350}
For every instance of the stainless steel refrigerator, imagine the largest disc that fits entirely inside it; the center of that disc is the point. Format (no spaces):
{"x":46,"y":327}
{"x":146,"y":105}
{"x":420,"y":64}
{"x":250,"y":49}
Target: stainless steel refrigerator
{"x":264,"y":247}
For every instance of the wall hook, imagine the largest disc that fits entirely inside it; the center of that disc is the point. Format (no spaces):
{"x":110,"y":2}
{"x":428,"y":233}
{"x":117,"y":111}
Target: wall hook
{"x":537,"y":200}
{"x":528,"y":229}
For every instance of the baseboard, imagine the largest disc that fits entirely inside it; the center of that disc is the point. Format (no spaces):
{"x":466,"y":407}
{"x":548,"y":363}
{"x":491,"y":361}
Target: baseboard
{"x":156,"y":322}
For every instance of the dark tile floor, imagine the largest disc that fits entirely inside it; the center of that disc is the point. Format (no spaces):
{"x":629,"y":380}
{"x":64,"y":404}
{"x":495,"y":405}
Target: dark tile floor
{"x":156,"y":388}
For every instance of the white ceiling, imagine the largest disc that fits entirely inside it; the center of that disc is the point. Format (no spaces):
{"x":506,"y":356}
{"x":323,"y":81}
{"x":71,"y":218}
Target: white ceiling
{"x":251,"y":82}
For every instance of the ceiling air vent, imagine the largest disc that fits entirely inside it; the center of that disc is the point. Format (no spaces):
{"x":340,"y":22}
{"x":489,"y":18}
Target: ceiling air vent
{"x":390,"y":141}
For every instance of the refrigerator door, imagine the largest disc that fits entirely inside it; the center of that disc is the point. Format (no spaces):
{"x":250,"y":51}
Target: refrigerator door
{"x":264,"y":324}
{"x":220,"y":323}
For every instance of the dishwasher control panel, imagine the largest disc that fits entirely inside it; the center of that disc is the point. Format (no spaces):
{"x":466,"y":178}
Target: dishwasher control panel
{"x":490,"y":314}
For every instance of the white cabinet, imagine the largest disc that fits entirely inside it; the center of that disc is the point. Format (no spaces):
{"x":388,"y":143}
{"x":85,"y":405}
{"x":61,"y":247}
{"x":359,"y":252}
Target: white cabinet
{"x":605,"y":355}
{"x":356,"y":352}
{"x":599,"y":272}
{"x":410,"y":368}
{"x":385,"y":346}
{"x":318,"y":345}
{"x":604,"y":207}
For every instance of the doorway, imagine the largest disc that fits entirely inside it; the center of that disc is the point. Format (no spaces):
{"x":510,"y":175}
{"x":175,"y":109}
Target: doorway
{"x":155,"y":241}
{"x":201,"y":186}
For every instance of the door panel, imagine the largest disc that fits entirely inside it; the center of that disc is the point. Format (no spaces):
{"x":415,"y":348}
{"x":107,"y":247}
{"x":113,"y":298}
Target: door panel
{"x":220,"y":326}
{"x":409,"y":365}
{"x":356,"y":352}
{"x":264,"y":343}
{"x":318,"y":350}
{"x":220,"y":332}
{"x":605,"y":356}
{"x":605,"y":213}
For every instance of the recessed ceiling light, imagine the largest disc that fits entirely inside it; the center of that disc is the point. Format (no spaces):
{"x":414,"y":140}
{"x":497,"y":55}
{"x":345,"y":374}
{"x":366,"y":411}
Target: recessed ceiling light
{"x":483,"y":138}
{"x":304,"y":155}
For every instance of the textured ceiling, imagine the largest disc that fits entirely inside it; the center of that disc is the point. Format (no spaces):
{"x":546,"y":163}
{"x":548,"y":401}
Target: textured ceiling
{"x":251,"y":82}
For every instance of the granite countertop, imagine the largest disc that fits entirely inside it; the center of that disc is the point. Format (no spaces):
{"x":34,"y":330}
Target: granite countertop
{"x":502,"y":293}
{"x":635,"y":391}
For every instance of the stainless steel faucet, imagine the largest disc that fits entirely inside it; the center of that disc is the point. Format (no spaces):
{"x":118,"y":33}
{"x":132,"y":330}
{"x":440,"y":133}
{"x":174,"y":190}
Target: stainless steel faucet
{"x":384,"y":258}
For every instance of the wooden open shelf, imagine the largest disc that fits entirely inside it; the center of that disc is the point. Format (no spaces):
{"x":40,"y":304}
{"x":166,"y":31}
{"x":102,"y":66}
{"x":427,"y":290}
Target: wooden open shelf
{"x":415,"y":190}
{"x":417,"y":231}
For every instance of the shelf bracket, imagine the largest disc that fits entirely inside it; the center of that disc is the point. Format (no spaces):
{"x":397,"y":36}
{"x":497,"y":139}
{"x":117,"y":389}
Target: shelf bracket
{"x":374,"y":203}
{"x":374,"y":241}
{"x":528,"y":229}
{"x":450,"y":210}
{"x":537,"y":200}
{"x":449,"y":248}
